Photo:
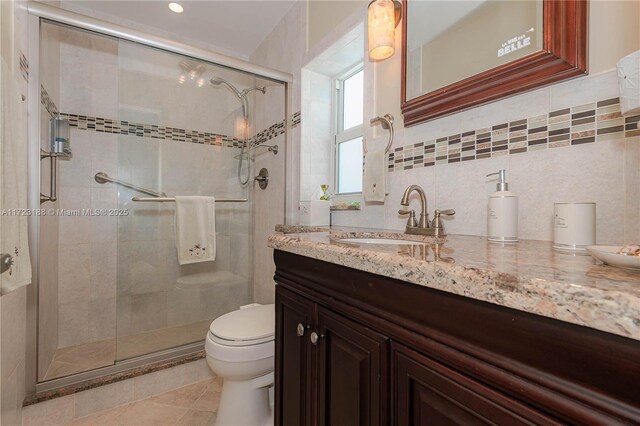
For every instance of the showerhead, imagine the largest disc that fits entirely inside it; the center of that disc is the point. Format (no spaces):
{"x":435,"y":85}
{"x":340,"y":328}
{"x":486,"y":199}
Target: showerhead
{"x":216,"y":81}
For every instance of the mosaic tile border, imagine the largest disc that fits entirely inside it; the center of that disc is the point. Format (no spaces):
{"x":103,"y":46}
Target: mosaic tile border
{"x":593,"y":122}
{"x":295,"y":119}
{"x":269,"y":133}
{"x":24,"y":66}
{"x":123,"y":127}
{"x":275,"y":130}
{"x":48,"y":103}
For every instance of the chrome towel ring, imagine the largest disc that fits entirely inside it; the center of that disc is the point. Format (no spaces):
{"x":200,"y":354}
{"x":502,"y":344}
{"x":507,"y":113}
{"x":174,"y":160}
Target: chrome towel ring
{"x":387,"y":123}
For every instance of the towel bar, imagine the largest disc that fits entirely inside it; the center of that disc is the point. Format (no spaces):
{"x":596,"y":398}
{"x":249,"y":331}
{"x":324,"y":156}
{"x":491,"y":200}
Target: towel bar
{"x":172,"y":199}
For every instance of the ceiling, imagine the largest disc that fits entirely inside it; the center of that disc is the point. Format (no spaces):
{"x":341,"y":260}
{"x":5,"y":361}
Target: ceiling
{"x":234,"y":26}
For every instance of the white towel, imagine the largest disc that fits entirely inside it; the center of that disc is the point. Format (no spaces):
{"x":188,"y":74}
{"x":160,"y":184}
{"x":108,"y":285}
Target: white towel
{"x":13,"y":183}
{"x":374,"y":184}
{"x":195,"y":229}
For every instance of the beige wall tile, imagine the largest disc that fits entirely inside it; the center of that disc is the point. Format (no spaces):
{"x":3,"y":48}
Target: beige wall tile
{"x":632,"y":196}
{"x":12,"y":331}
{"x":196,"y":371}
{"x":54,"y":412}
{"x":103,"y":398}
{"x":159,"y":382}
{"x":73,"y":324}
{"x":11,"y":396}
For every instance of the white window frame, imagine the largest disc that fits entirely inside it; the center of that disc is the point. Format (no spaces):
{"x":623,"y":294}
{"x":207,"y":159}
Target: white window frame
{"x":344,"y":135}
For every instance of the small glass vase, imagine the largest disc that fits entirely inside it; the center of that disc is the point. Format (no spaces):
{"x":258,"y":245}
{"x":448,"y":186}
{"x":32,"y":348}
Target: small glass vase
{"x":325,"y":196}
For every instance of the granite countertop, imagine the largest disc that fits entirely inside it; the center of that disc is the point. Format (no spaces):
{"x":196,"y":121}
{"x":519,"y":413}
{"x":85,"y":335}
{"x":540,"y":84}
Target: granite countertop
{"x":529,"y":276}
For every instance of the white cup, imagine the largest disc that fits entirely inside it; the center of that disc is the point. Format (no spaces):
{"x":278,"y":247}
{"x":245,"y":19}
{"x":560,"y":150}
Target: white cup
{"x":574,"y":226}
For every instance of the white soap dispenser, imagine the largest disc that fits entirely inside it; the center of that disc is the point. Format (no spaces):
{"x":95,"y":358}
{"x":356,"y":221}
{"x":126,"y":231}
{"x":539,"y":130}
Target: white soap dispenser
{"x":502,"y":213}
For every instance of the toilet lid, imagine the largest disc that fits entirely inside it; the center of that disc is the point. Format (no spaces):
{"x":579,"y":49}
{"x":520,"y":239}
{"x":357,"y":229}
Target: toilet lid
{"x":249,"y":325}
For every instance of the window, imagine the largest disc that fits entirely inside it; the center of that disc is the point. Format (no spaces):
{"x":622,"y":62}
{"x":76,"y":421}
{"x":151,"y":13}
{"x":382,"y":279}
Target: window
{"x":348,"y":152}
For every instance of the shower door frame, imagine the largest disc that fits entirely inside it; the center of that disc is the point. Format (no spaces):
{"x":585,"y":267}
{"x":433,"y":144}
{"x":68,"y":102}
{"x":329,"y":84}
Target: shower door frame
{"x":38,"y":12}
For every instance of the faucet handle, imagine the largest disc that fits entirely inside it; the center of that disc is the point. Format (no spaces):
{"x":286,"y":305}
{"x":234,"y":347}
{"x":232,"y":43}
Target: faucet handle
{"x":412,"y":217}
{"x":448,"y":212}
{"x":437,"y":223}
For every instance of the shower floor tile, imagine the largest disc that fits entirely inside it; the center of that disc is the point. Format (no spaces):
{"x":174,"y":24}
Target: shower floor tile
{"x":89,"y":356}
{"x":80,"y":358}
{"x":164,"y":338}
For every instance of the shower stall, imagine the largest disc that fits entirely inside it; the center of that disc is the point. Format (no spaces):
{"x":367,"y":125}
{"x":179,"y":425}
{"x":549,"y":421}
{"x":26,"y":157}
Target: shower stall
{"x":148,"y":120}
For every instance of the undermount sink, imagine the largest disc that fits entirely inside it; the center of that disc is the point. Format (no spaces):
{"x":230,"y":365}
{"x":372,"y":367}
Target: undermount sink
{"x":379,"y":241}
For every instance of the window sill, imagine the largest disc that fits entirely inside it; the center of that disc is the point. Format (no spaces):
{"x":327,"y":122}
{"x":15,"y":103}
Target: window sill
{"x":346,"y":208}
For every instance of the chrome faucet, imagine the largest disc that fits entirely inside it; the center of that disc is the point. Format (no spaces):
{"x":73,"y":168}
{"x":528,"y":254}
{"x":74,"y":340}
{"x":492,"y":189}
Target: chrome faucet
{"x":424,"y":215}
{"x":423,"y":226}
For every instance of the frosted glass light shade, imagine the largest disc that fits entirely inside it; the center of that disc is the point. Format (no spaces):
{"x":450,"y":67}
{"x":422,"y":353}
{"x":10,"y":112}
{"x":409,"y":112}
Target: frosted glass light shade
{"x":381,"y":25}
{"x":629,"y":83}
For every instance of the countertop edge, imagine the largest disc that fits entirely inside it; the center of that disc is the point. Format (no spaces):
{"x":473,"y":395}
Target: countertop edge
{"x":584,"y":306}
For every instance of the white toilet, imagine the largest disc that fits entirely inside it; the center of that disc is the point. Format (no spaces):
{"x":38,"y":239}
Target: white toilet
{"x":240,"y":349}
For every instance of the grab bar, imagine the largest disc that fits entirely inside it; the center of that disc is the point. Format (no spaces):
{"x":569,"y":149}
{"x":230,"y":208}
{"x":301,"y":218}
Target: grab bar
{"x":53,"y":186}
{"x":172,"y":199}
{"x":102,"y":177}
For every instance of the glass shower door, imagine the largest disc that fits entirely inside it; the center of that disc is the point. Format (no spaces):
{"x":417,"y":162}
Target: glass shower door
{"x":77,"y":249}
{"x":178,"y":135}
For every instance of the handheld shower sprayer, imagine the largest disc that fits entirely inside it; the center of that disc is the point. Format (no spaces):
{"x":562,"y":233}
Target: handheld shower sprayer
{"x":244,"y":102}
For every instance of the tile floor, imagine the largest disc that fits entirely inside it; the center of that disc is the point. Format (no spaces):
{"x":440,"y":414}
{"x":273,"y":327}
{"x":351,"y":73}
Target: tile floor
{"x":192,"y":405}
{"x":89,"y":356}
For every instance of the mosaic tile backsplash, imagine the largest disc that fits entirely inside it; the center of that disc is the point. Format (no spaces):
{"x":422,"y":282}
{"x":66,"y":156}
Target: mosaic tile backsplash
{"x":594,"y":122}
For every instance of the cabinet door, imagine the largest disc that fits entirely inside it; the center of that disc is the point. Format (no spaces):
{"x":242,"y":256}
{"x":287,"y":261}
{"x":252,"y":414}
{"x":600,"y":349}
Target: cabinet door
{"x":292,"y":370}
{"x":352,"y":373}
{"x":429,"y":393}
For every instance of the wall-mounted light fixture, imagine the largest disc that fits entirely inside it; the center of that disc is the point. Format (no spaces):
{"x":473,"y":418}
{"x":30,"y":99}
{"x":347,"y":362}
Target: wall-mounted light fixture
{"x":384,"y":16}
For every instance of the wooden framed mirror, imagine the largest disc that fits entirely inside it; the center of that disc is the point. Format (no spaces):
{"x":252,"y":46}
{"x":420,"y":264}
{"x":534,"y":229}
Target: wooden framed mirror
{"x":458,"y":55}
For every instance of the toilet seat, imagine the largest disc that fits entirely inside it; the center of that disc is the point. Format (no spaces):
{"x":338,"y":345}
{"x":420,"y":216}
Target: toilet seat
{"x":238,"y":353}
{"x":244,"y":327}
{"x":219,"y":340}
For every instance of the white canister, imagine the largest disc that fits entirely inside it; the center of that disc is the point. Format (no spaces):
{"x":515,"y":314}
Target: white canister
{"x":574,"y":226}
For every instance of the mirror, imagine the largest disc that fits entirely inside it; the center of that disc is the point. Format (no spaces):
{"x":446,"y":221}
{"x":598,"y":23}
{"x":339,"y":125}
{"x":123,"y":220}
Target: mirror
{"x":459,"y":54}
{"x":450,"y":41}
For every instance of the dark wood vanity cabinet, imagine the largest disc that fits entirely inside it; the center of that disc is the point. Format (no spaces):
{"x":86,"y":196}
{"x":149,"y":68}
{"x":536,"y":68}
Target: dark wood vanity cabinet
{"x":331,"y":371}
{"x":430,"y":393}
{"x":354,"y":348}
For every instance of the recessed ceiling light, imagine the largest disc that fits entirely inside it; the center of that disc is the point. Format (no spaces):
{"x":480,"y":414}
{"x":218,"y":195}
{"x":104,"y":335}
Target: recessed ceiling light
{"x":175,"y":7}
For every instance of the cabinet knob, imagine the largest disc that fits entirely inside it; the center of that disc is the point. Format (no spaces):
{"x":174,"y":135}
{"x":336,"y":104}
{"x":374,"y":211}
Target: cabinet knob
{"x":300,"y":330}
{"x":315,"y":337}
